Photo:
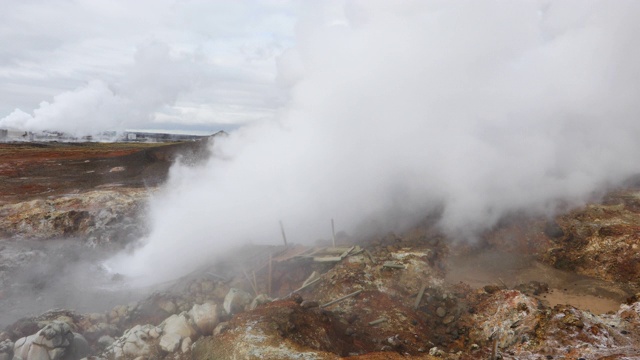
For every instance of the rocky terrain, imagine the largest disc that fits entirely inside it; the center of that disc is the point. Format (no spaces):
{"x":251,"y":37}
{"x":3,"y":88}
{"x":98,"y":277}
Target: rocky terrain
{"x":530,"y":288}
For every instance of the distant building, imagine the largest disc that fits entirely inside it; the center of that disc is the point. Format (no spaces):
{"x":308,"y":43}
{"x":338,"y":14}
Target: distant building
{"x":167,"y":135}
{"x":10,"y":135}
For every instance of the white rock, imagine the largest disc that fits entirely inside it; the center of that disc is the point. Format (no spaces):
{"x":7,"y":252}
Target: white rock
{"x":54,"y":341}
{"x":178,"y":324}
{"x":236,"y":300}
{"x":155,"y":332}
{"x":259,"y":300}
{"x":106,"y":340}
{"x":168,"y":306}
{"x":434,"y":351}
{"x":133,"y":343}
{"x":222,"y":327}
{"x":186,"y":345}
{"x":135,"y":349}
{"x":170,"y":342}
{"x":205,"y":317}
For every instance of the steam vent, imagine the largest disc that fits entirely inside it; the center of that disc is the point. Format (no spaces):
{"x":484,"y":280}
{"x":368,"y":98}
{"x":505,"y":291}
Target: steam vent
{"x":316,"y":180}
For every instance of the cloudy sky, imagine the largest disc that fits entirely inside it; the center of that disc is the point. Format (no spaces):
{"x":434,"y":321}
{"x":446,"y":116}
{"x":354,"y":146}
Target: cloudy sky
{"x":89,"y":64}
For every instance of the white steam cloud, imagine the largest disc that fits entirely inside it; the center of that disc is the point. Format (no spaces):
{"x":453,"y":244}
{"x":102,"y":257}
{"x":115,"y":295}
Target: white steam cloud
{"x":153,"y":81}
{"x":397,"y":108}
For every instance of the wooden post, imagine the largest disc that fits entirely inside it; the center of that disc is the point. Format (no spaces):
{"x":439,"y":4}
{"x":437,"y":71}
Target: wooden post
{"x":255,"y":291}
{"x":419,"y":298}
{"x":284,"y":236}
{"x":255,"y":282}
{"x":270,"y":272}
{"x":378,"y":321}
{"x":341,"y":299}
{"x":333,"y":233}
{"x":304,"y":286}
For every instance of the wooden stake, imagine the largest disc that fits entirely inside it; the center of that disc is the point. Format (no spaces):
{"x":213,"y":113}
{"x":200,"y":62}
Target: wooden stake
{"x":333,"y":232}
{"x":378,"y":321}
{"x":255,"y":291}
{"x":341,"y":299}
{"x":306,"y":285}
{"x":419,"y":298}
{"x":284,"y":236}
{"x":393,"y":265}
{"x":494,"y":348}
{"x":270,"y":274}
{"x":369,"y":255}
{"x":255,"y":282}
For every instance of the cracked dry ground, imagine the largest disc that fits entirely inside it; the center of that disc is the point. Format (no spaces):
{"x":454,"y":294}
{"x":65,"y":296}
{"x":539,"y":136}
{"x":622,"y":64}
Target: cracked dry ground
{"x":531,"y":288}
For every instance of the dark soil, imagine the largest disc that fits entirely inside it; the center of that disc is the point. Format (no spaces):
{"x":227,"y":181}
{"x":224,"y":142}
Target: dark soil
{"x":30,"y":170}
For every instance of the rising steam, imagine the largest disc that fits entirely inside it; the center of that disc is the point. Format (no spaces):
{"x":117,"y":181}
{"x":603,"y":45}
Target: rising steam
{"x":396,"y":108}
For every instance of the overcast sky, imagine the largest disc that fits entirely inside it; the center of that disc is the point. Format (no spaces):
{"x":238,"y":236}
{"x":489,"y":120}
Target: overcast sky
{"x":190,"y":62}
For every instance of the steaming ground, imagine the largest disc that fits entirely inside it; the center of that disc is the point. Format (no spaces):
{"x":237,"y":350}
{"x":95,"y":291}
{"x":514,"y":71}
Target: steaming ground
{"x":58,"y":274}
{"x":399,"y":109}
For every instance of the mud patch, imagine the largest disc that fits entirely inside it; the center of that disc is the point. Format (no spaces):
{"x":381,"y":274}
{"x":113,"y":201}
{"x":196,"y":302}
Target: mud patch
{"x":508,"y":270}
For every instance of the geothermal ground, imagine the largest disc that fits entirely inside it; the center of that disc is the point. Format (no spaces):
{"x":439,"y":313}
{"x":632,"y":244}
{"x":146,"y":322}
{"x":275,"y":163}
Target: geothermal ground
{"x":530,"y":288}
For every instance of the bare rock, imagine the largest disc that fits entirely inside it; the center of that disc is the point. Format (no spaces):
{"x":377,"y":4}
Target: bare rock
{"x":133,"y":343}
{"x":6,"y":350}
{"x":308,"y":304}
{"x":99,"y":214}
{"x":504,"y":315}
{"x":205,"y":317}
{"x":170,"y":342}
{"x":259,"y":300}
{"x":54,"y":341}
{"x":178,"y":324}
{"x":176,"y":328}
{"x":236,"y":300}
{"x":105,"y":341}
{"x":186,"y":345}
{"x":222,"y":327}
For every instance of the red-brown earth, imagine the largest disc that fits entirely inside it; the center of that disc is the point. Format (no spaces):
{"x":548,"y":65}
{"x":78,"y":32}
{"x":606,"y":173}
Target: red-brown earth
{"x":560,"y":287}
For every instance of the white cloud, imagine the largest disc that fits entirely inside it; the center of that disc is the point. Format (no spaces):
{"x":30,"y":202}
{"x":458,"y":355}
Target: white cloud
{"x":229,"y":45}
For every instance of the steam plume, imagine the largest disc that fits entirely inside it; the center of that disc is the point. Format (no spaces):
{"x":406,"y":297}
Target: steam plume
{"x":154,"y":80}
{"x":396,"y":108}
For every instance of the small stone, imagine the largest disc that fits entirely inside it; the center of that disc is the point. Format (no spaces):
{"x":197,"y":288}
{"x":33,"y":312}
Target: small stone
{"x":441,"y":312}
{"x":105,"y":340}
{"x":297,"y":298}
{"x":222,"y":327}
{"x":155,"y":332}
{"x":308,"y":304}
{"x":490,"y":289}
{"x":170,"y":342}
{"x":186,"y":345}
{"x":259,"y":300}
{"x":434,"y":351}
{"x":448,"y":320}
{"x":393,"y":340}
